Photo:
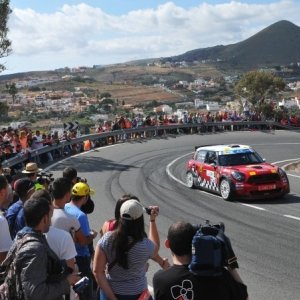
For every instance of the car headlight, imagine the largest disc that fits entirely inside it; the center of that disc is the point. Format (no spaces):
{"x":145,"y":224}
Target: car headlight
{"x":282,"y":173}
{"x":238,"y":176}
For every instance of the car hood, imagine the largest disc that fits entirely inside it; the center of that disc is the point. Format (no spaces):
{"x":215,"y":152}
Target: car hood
{"x":255,"y":168}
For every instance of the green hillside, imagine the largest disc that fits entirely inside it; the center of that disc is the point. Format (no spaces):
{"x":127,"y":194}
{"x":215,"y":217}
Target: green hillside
{"x":278,"y":44}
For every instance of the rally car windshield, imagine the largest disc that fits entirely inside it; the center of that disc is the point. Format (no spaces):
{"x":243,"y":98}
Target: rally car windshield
{"x":239,"y":159}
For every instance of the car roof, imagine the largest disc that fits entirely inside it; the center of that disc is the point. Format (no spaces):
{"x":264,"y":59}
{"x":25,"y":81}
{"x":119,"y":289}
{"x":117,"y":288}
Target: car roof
{"x":226,"y":149}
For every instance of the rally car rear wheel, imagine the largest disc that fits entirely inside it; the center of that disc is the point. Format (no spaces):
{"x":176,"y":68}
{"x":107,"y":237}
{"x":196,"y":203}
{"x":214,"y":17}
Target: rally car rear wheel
{"x":226,"y":190}
{"x":190,"y":180}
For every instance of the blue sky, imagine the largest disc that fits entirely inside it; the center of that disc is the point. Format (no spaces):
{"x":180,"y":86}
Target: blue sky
{"x":116,"y":7}
{"x":49,"y":34}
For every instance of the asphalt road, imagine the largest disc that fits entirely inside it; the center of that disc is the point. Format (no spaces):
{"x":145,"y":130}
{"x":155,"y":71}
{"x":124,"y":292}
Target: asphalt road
{"x":265,"y":234}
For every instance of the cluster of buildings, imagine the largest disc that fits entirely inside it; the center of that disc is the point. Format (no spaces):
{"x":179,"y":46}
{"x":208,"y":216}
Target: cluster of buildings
{"x":34,"y":102}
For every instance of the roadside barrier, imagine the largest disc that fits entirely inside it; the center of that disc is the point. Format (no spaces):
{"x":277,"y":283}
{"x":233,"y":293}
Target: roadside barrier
{"x":106,"y":138}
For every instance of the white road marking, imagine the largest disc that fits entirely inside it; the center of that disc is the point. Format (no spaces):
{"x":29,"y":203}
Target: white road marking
{"x":169,"y":172}
{"x":292,"y":217}
{"x":285,"y":166}
{"x":293,"y":175}
{"x":253,"y":206}
{"x":286,"y":160}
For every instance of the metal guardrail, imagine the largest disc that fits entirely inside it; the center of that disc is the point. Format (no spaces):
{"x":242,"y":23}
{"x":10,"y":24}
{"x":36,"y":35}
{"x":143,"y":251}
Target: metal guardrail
{"x":158,"y":130}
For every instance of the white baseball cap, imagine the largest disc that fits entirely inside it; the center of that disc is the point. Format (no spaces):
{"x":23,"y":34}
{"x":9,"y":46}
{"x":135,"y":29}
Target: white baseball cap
{"x":131,"y":210}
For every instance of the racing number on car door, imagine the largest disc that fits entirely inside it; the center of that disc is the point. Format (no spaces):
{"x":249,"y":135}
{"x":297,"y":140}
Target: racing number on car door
{"x":209,"y":170}
{"x":199,"y":164}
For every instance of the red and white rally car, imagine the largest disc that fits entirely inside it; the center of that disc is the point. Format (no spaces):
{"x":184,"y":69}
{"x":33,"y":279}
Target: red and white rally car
{"x":235,"y":171}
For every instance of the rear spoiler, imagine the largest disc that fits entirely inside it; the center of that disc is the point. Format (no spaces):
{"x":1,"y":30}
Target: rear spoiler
{"x":209,"y":145}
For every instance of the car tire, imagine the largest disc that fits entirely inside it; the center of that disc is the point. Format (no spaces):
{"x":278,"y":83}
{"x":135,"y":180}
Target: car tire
{"x":226,"y":189}
{"x":191,"y":180}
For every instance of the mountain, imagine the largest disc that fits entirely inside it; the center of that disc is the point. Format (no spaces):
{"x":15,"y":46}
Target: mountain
{"x":278,"y":44}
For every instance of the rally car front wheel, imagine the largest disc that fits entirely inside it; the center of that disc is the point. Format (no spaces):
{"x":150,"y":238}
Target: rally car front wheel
{"x":226,"y":189}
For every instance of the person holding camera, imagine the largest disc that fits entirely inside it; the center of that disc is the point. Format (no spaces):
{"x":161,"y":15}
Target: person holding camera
{"x":112,"y":224}
{"x":121,"y":255}
{"x":178,"y":282}
{"x":70,"y":173}
{"x":31,"y":171}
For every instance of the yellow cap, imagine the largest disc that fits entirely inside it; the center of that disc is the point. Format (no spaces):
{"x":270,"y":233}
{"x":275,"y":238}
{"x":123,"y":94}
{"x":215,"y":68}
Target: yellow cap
{"x":82,"y":189}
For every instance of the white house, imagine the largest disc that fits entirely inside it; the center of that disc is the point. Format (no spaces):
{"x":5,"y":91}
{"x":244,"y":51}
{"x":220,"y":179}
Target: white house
{"x":212,"y":106}
{"x":289,"y":103}
{"x":164,"y":108}
{"x":198,"y":103}
{"x":180,"y":113}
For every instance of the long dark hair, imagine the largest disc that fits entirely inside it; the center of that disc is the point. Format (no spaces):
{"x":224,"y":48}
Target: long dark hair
{"x":125,"y":236}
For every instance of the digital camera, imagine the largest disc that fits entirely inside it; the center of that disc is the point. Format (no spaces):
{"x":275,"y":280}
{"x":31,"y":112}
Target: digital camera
{"x":81,"y":284}
{"x":147,"y":210}
{"x":210,"y":229}
{"x":44,"y":178}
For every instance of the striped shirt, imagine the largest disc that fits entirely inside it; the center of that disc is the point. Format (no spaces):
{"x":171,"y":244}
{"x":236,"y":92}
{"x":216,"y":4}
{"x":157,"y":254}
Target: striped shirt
{"x":131,"y":281}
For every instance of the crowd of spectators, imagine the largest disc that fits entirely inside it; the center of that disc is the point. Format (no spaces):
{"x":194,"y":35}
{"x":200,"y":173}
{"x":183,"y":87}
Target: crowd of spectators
{"x":198,"y":121}
{"x":25,"y":142}
{"x":41,"y":257}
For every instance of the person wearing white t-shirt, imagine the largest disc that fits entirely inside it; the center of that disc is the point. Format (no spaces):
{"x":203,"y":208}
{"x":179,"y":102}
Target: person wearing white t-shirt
{"x":62,"y":244}
{"x":61,"y":193}
{"x":5,"y":239}
{"x":38,"y":141}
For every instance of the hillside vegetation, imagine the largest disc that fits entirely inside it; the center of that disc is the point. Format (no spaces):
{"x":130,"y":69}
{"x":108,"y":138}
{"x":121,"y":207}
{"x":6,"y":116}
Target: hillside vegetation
{"x":278,"y":44}
{"x":133,"y":82}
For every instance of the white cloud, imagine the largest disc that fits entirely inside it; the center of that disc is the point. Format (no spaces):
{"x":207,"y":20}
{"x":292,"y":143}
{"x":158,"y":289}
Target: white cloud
{"x":86,"y":35}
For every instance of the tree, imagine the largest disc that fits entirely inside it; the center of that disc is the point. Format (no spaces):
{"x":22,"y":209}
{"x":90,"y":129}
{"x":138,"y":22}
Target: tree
{"x":34,"y":89}
{"x":256,"y":86}
{"x":105,"y":95}
{"x":12,"y":90}
{"x":107,"y":101}
{"x":92,"y":109}
{"x":3,"y":110}
{"x":5,"y":43}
